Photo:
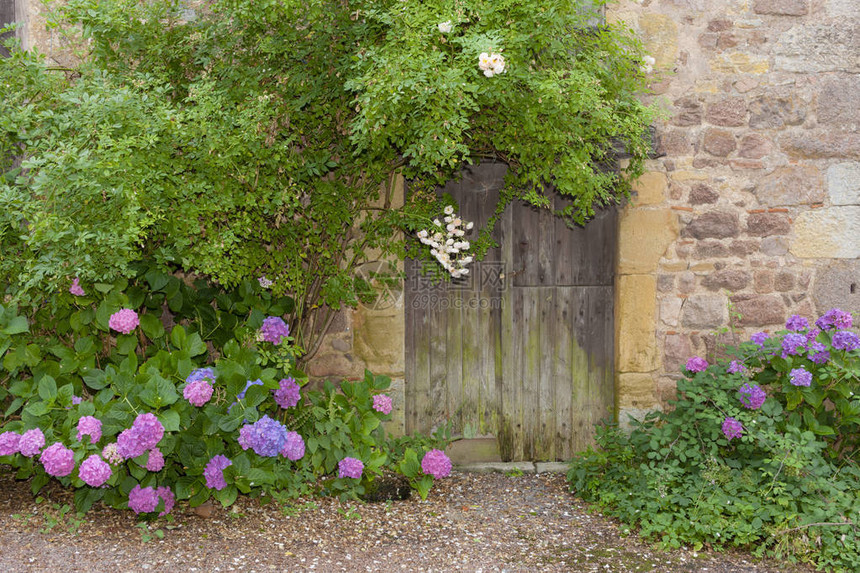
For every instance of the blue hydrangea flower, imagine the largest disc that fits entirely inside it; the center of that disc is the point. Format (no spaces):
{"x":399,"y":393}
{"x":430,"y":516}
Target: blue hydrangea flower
{"x":265,"y":436}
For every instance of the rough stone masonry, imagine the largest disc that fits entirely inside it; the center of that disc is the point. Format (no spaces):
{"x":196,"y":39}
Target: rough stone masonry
{"x":752,"y":212}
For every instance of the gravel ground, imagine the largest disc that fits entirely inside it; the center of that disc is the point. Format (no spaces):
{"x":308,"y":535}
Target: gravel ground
{"x":471,"y":522}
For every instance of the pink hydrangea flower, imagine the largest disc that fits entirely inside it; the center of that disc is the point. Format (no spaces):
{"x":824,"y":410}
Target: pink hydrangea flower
{"x":436,"y":463}
{"x":58,"y":460}
{"x":697,"y":364}
{"x":144,"y":434}
{"x":9,"y":443}
{"x":90,"y":426}
{"x":31,"y":442}
{"x":198,"y":392}
{"x":124,"y":321}
{"x":168,"y":498}
{"x":382,"y":403}
{"x":288,"y":394}
{"x":94,"y":471}
{"x":155,"y":461}
{"x":294,"y":448}
{"x":76,"y":289}
{"x":142,"y":499}
{"x":350,"y":467}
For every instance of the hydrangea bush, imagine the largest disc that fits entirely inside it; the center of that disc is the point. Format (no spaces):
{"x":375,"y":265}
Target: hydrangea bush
{"x":758,"y":451}
{"x":105,"y":399}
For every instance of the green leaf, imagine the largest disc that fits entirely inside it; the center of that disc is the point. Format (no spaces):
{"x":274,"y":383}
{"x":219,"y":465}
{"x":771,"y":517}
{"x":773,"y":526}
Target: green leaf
{"x":184,"y":487}
{"x":126,"y":343}
{"x":793,"y":398}
{"x":151,"y":326}
{"x":85,"y":497}
{"x":17,"y":325}
{"x":178,"y":337}
{"x":47,"y":388}
{"x":170,"y":420}
{"x":227,"y":496}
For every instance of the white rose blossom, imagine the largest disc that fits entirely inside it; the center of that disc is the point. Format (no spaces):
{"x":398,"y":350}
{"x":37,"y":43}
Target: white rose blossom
{"x":445,"y":27}
{"x":491,"y":64}
{"x":445,"y":248}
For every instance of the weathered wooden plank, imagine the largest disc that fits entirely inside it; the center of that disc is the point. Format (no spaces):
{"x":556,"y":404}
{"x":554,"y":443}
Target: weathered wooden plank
{"x":585,"y":255}
{"x":419,"y":409}
{"x":510,"y":383}
{"x":562,"y":371}
{"x":475,"y":370}
{"x":530,"y":351}
{"x":545,"y":447}
{"x":437,"y":408}
{"x":454,"y":359}
{"x":581,"y":400}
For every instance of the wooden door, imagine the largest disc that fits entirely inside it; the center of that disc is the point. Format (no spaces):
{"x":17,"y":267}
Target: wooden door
{"x":523,"y":348}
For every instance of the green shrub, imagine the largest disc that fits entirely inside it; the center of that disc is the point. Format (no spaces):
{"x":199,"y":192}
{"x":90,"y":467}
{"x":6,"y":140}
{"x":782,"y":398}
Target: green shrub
{"x":788,"y":486}
{"x":69,"y":365}
{"x":263,"y":139}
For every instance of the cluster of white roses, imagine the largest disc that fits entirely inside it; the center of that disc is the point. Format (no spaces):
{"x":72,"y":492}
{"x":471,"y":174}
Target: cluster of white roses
{"x":648,"y":66}
{"x":491,"y":64}
{"x":446,"y":243}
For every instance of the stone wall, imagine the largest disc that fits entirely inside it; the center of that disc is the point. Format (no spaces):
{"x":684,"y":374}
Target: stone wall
{"x":752,"y":212}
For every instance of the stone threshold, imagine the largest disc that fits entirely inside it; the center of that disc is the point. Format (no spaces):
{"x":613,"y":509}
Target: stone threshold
{"x":505,"y":467}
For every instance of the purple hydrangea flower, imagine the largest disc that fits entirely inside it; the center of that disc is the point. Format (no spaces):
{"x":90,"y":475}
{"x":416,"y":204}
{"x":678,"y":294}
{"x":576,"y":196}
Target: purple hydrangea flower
{"x":76,"y":289}
{"x":9,"y":443}
{"x":845,"y":340}
{"x":265,"y":436}
{"x":834,"y":318}
{"x":90,"y":426}
{"x":294,"y":448}
{"x":288,"y":394}
{"x":142,"y":499}
{"x":752,"y":396}
{"x":350,"y":467}
{"x":818,"y":353}
{"x":759,"y":338}
{"x":168,"y":498}
{"x":736,"y":367}
{"x":76,"y":400}
{"x":382,"y":403}
{"x":214,"y":472}
{"x":812,"y":335}
{"x":274,"y":329}
{"x":111,"y":455}
{"x":155,"y":461}
{"x":793,"y":343}
{"x":144,"y":434}
{"x":198,"y":392}
{"x":58,"y":460}
{"x":796,"y":323}
{"x":697,"y":364}
{"x":31,"y":442}
{"x":801,"y":377}
{"x":732,"y":428}
{"x":94,"y":471}
{"x":124,"y":321}
{"x":436,"y":463}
